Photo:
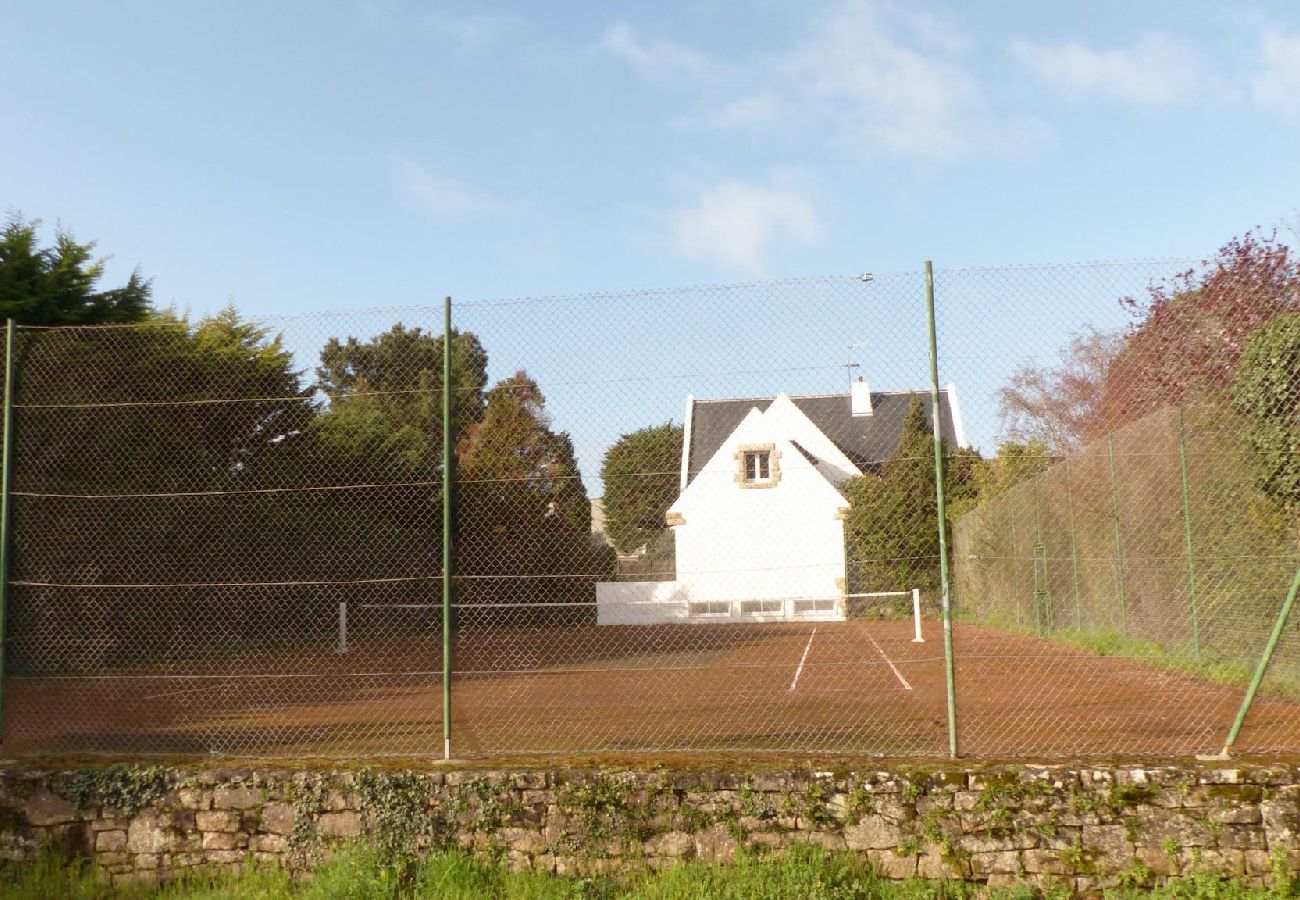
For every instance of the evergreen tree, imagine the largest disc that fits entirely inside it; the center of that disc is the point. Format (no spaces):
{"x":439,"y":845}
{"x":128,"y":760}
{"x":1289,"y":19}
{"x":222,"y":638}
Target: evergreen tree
{"x":891,"y":530}
{"x":641,"y":477}
{"x":59,"y":285}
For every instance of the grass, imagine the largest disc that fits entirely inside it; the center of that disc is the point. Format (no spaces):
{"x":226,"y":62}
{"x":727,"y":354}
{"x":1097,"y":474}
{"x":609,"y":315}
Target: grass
{"x":1106,"y":642}
{"x":805,"y":873}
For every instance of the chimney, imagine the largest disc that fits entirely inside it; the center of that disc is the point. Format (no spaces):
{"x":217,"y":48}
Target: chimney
{"x":860,"y":397}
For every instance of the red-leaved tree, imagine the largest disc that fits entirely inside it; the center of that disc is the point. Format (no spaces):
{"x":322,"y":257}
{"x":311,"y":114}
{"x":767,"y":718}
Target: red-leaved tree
{"x":1190,"y":332}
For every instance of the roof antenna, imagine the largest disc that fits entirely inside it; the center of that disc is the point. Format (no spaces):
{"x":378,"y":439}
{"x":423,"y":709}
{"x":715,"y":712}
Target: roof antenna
{"x":849,"y":364}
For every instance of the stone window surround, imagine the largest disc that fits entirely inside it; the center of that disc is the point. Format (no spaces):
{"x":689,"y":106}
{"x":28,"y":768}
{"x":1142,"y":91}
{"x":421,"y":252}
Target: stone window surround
{"x":774,"y":465}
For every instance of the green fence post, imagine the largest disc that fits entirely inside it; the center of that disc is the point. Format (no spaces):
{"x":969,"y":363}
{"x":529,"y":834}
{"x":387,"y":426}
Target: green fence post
{"x":1263,"y":665}
{"x":1187,"y":535}
{"x":1043,"y":587}
{"x":1119,"y":538}
{"x":448,"y":483}
{"x":949,"y":675}
{"x":6,"y":486}
{"x":1074,"y":547}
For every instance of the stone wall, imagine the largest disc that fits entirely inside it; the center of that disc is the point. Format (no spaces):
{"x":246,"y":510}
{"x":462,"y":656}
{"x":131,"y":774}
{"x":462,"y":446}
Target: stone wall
{"x":1085,"y":826}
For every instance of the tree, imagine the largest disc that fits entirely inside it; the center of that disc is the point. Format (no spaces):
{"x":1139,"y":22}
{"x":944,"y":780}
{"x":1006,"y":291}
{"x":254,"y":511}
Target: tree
{"x":1191,"y":332}
{"x":1266,"y":391}
{"x":147,"y":449}
{"x":386,"y":396}
{"x":525,"y":520}
{"x":59,"y":285}
{"x":1058,"y":407}
{"x":1014,"y":462}
{"x":891,"y":528}
{"x":641,"y":473}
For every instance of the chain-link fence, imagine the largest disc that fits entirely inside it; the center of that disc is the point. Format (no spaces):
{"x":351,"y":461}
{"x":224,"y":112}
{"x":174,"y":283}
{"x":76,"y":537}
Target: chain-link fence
{"x":700,"y":519}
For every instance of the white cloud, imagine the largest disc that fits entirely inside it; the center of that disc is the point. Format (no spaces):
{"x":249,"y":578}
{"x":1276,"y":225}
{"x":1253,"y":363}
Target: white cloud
{"x":435,"y":193}
{"x":736,"y":223}
{"x":1276,"y":84}
{"x":472,"y":32}
{"x":745,"y":112}
{"x":903,"y":80}
{"x":1155,"y":71}
{"x":657,"y":59}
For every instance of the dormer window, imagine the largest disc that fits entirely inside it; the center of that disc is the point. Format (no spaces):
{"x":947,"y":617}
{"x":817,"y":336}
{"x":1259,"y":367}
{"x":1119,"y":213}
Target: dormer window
{"x":758,"y":465}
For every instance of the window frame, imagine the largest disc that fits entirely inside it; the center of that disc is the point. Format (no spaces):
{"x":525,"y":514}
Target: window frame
{"x":757,"y":452}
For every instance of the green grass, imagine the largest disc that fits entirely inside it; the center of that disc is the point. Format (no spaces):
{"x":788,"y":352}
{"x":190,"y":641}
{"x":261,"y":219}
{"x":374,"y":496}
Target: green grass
{"x":805,"y":873}
{"x":1106,"y":642}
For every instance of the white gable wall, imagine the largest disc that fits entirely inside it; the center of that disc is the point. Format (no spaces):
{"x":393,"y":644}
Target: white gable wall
{"x":784,"y":541}
{"x":737,"y":543}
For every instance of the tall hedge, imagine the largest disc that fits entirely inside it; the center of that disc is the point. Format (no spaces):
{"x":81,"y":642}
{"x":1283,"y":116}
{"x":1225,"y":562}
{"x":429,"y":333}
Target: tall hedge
{"x":1267,"y":392}
{"x":641,"y":474}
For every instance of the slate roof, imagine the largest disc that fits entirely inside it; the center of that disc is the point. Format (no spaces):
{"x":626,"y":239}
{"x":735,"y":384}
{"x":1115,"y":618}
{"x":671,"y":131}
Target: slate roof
{"x":866,"y":440}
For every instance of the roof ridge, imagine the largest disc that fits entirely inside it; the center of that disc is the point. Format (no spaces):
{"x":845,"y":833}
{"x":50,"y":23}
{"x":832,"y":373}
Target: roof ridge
{"x":942,"y":390}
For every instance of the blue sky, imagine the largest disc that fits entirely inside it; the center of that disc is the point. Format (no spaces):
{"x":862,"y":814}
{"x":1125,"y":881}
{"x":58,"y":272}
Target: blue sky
{"x":298,"y":156}
{"x":294,"y":156}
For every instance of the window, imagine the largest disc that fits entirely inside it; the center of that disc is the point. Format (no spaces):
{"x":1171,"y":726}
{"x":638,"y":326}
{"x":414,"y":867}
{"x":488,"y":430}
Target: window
{"x":710,"y":608}
{"x":758,"y":465}
{"x":753,"y":607}
{"x":806,"y":607}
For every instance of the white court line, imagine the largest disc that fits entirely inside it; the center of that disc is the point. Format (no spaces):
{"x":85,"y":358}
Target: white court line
{"x":799,"y":670}
{"x":894,"y":668}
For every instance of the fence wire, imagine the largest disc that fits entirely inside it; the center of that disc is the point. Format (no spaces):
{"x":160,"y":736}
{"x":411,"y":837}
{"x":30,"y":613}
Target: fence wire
{"x":699,"y":519}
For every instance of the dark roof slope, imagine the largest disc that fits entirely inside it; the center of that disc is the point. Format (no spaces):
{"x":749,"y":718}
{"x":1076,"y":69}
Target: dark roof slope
{"x":866,"y":440}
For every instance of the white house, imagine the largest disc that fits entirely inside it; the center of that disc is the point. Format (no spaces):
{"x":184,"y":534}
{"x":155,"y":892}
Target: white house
{"x":759,"y":523}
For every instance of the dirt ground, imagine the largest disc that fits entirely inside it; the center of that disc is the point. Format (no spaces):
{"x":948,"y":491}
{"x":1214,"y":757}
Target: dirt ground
{"x":861,"y":687}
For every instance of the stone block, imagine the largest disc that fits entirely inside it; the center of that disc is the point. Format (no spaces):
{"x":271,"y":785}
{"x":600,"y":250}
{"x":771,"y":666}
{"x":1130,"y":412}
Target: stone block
{"x":277,"y":818}
{"x":223,"y":840}
{"x":216,"y":820}
{"x":1045,"y":861}
{"x":269,"y":843}
{"x":110,"y":841}
{"x":226,"y":857}
{"x":150,"y":832}
{"x":236,"y":798}
{"x":715,"y":844}
{"x":523,"y":840}
{"x":1242,"y":837}
{"x":194,"y":798}
{"x":933,"y":865}
{"x":675,"y":844}
{"x":889,"y":864}
{"x":873,"y":832}
{"x":1236,"y":814}
{"x":44,"y":808}
{"x":345,"y":824}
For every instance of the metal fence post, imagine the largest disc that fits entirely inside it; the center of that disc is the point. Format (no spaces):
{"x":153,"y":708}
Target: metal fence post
{"x":949,"y":675}
{"x":1119,"y":537}
{"x":447,"y":486}
{"x":1187,"y":535}
{"x":1074,"y":547}
{"x":1043,"y":586}
{"x":1263,"y":665}
{"x":6,"y":487}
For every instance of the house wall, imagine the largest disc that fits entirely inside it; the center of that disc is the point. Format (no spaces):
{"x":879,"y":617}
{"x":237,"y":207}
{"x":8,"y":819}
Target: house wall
{"x":743,"y":542}
{"x":737,"y":542}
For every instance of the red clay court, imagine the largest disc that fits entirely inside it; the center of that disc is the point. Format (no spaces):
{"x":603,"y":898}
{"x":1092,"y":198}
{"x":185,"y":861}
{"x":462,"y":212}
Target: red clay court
{"x":860,"y":687}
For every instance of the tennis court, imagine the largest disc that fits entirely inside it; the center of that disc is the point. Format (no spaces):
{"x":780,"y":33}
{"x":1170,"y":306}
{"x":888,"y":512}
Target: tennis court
{"x":857,"y":687}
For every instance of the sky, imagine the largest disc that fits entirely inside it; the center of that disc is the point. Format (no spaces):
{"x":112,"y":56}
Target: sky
{"x":293,"y":157}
